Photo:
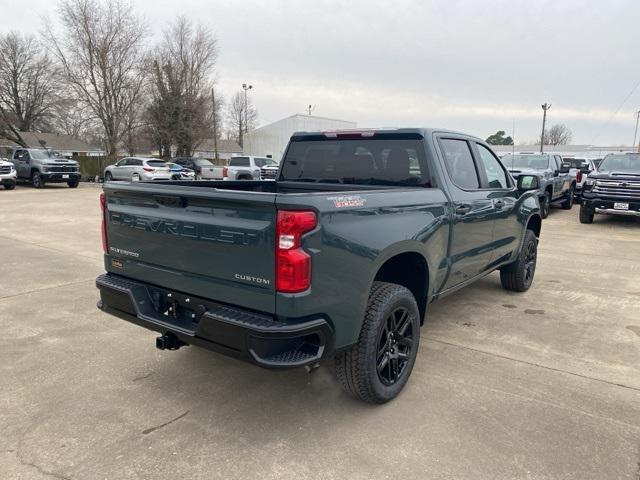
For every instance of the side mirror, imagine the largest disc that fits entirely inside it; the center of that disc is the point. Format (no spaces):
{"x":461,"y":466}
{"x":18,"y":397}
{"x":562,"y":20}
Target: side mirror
{"x":585,"y":169}
{"x":528,"y":182}
{"x":565,"y":167}
{"x":556,"y":173}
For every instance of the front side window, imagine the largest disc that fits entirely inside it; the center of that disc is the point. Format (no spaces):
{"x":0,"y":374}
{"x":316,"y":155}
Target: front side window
{"x":496,"y":176}
{"x":460,"y":164}
{"x":261,"y":162}
{"x":122,"y":162}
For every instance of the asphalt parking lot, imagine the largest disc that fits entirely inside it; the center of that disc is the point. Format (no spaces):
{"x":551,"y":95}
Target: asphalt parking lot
{"x":542,"y":385}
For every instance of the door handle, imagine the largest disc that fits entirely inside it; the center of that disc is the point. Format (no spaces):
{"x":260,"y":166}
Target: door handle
{"x":463,"y":209}
{"x":498,"y":204}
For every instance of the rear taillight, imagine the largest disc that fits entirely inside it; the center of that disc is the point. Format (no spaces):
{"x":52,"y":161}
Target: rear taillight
{"x":293,"y":264}
{"x":148,"y":169}
{"x":579,"y":176}
{"x":103,"y":210}
{"x":225,"y":171}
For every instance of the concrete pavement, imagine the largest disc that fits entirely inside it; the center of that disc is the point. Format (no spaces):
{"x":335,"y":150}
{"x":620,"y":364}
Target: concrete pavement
{"x":541,"y":385}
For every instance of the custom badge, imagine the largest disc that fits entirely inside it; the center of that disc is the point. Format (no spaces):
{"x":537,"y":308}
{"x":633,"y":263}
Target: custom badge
{"x":344,"y":201}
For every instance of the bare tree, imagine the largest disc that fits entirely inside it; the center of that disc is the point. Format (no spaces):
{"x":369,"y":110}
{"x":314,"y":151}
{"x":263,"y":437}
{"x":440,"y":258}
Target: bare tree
{"x":236,"y":117}
{"x":217,"y":104}
{"x":558,"y":134}
{"x":27,"y":85}
{"x":100,"y":49}
{"x":182,"y":79}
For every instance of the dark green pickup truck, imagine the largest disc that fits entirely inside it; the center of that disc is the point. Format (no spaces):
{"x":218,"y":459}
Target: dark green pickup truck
{"x":338,"y":258}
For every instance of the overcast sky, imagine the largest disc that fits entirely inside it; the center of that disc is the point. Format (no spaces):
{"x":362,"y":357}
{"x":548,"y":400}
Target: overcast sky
{"x":474,"y":66}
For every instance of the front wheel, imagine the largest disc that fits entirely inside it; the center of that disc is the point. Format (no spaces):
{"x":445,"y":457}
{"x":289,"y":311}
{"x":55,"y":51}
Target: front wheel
{"x":108,"y":177}
{"x":545,"y":205}
{"x":586,"y":215}
{"x":378,"y":366}
{"x":10,"y":185}
{"x":518,"y":276}
{"x":36,"y":179}
{"x":568,"y":202}
{"x":73,"y":183}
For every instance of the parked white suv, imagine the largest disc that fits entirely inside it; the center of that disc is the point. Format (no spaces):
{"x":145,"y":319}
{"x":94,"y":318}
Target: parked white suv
{"x":138,"y":169}
{"x":8,"y":174}
{"x":249,"y":168}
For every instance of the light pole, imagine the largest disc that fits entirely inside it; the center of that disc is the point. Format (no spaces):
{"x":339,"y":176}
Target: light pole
{"x":246,"y":87}
{"x":545,"y":107}
{"x":636,"y":132}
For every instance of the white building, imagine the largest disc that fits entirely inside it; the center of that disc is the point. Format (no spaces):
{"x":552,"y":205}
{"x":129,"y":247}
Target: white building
{"x":272,"y":139}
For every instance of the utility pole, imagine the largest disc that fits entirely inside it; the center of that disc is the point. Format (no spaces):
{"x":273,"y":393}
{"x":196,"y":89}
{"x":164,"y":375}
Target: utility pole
{"x":246,"y":88}
{"x":545,"y":107}
{"x":636,"y":132}
{"x":215,"y":124}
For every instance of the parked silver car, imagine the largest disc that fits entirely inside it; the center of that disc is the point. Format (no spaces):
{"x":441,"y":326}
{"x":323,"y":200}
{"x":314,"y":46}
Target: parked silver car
{"x":138,"y":169}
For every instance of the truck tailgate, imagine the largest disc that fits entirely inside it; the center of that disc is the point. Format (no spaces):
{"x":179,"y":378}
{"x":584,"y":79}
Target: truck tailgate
{"x":213,"y":243}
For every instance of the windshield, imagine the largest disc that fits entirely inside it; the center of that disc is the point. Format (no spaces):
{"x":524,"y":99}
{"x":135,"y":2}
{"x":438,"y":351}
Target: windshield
{"x":40,"y":154}
{"x":156,"y":163}
{"x":621,"y":163}
{"x":355,"y":161}
{"x":261,"y":162}
{"x":535,"y":162}
{"x":203,"y":162}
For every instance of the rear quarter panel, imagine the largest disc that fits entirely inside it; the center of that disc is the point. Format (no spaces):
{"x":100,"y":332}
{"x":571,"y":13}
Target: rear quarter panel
{"x":358,"y":232}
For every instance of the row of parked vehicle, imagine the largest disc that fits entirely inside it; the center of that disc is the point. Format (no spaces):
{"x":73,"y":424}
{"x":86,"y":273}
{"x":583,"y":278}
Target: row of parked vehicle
{"x":602,"y":186}
{"x":137,"y":169}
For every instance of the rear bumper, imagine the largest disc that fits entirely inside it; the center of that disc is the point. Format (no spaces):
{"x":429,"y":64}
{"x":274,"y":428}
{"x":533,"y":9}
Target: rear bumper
{"x":253,"y":337}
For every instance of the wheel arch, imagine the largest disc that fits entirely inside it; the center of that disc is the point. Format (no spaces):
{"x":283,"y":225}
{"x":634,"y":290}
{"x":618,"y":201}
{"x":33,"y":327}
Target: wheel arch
{"x":410,"y":269}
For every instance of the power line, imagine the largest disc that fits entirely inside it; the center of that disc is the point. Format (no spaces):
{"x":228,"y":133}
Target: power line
{"x":616,"y":112}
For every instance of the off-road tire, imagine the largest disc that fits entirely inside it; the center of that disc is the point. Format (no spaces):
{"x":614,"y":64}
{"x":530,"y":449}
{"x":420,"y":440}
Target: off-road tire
{"x":545,"y":205}
{"x":518,"y":275}
{"x":586,"y":215}
{"x":356,"y":368}
{"x":568,"y":202}
{"x":10,"y":185}
{"x":36,"y":179}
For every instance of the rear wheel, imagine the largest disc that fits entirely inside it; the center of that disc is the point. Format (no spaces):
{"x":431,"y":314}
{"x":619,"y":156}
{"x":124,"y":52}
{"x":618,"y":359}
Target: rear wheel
{"x":135,"y":177}
{"x":586,"y":215}
{"x":378,"y":366}
{"x":545,"y":205}
{"x":36,"y":179}
{"x":518,"y":276}
{"x":568,"y":202}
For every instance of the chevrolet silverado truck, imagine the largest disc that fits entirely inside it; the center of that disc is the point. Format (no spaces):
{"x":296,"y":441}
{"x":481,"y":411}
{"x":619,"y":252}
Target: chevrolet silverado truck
{"x":338,"y":258}
{"x":556,"y":178}
{"x":613,"y":189}
{"x":40,"y":166}
{"x":8,"y":175}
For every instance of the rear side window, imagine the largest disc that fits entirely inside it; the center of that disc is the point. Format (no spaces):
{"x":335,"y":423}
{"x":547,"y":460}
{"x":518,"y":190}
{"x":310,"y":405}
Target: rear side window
{"x":362,"y":161}
{"x":239,"y":162}
{"x":460,"y":164}
{"x":135,"y":162}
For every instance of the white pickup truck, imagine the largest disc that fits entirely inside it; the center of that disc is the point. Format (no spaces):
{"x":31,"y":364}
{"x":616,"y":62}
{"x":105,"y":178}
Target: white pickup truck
{"x":582,"y":167}
{"x":251,"y":168}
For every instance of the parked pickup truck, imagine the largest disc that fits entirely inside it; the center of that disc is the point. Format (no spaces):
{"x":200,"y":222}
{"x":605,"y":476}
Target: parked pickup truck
{"x":40,"y":166}
{"x":337,"y":258}
{"x":250,"y":168}
{"x":8,"y":175}
{"x":613,"y":189}
{"x":557,"y":180}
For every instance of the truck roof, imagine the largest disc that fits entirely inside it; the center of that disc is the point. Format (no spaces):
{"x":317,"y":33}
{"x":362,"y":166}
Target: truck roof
{"x":386,"y":131}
